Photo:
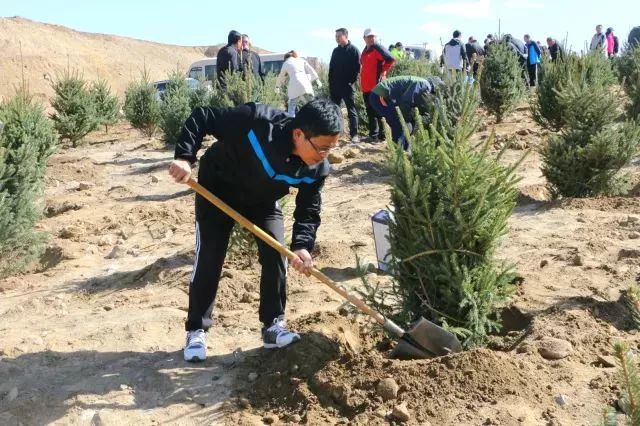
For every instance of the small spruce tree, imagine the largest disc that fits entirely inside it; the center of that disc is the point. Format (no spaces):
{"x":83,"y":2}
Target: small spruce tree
{"x":26,"y":142}
{"x":501,"y":84}
{"x":200,"y":96}
{"x":592,"y":69}
{"x":142,"y":106}
{"x":629,"y":400}
{"x":629,"y":70}
{"x":175,"y":107}
{"x":106,"y":104}
{"x":75,"y":111}
{"x":451,"y":204}
{"x":416,"y":67}
{"x":585,"y":159}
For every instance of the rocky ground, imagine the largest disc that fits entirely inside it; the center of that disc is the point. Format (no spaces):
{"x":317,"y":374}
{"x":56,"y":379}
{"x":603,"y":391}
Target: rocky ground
{"x":94,"y":334}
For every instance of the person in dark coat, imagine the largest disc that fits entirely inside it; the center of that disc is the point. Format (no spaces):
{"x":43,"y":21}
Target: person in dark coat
{"x":344,"y":68}
{"x":229,"y":57}
{"x":555,"y":50}
{"x":251,"y":62}
{"x":475,"y":52}
{"x":259,"y":154}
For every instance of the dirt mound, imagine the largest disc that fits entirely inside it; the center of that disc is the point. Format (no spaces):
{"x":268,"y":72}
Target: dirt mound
{"x":622,"y":204}
{"x":333,"y":374}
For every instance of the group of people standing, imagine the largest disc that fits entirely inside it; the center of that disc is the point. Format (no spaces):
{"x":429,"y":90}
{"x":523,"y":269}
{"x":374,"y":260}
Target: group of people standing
{"x":458,"y":56}
{"x":237,"y":56}
{"x":606,"y":42}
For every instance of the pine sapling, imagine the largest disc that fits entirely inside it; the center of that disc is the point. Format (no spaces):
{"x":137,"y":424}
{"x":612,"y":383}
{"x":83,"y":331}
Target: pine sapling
{"x":26,"y":142}
{"x":74,"y":108}
{"x":106,"y":103}
{"x":175,"y":107}
{"x":142,"y":106}
{"x":501,"y":84}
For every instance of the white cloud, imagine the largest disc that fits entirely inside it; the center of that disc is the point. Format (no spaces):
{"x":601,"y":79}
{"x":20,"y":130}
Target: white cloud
{"x":523,"y":4}
{"x":437,"y":28}
{"x":464,"y":9}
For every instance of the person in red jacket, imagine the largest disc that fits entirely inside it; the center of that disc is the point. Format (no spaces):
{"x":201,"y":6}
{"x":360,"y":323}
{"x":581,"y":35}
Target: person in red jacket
{"x":375,"y":62}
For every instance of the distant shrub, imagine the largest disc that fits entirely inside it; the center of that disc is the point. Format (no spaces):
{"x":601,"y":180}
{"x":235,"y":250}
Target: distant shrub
{"x":142,"y":106}
{"x":175,"y":107}
{"x":106,"y":104}
{"x":75,"y":110}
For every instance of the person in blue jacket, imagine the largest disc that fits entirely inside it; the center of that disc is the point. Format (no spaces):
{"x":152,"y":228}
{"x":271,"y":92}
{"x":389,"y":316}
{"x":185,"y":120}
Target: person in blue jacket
{"x":533,"y":59}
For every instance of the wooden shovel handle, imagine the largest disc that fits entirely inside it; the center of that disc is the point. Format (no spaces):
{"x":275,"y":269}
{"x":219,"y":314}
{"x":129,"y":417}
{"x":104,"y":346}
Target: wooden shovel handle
{"x":378,"y":317}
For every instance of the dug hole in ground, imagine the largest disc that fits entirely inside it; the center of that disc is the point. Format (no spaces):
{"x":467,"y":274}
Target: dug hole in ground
{"x":94,"y":334}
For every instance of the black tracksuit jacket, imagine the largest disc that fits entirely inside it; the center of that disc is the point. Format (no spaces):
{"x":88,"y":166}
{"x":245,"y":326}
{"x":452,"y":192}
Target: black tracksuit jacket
{"x":251,"y":163}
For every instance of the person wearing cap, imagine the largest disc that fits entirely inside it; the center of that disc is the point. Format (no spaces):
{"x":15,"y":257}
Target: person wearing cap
{"x":406,"y":93}
{"x":375,"y":62}
{"x":474,"y":54}
{"x":454,"y":54}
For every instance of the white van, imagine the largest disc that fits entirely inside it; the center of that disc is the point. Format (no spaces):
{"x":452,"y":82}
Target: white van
{"x":206,"y":68}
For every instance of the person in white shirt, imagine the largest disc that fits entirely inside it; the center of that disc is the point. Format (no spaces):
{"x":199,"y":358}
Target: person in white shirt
{"x":454,"y":55}
{"x":301,"y":75}
{"x":599,"y":41}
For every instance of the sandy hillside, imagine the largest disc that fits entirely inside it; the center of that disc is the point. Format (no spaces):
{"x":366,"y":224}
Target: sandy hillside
{"x":48,"y":49}
{"x":94,"y":335}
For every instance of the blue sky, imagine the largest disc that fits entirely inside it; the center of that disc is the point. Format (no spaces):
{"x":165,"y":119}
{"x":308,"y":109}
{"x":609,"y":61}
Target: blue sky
{"x":309,"y":26}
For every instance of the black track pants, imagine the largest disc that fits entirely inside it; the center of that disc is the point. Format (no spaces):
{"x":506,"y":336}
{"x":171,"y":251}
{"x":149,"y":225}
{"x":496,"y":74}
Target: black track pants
{"x":212,"y":238}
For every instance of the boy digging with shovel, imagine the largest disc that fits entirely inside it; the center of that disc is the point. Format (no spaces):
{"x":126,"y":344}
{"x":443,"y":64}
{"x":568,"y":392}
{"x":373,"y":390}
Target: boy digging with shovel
{"x":259,"y":154}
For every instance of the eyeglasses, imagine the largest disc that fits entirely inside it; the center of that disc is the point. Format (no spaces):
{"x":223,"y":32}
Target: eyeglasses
{"x":322,"y":151}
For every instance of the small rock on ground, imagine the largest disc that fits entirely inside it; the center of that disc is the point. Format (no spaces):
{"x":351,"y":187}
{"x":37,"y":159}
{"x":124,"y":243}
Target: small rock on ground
{"x":606,"y":361}
{"x":401,"y":412}
{"x":335,"y":158}
{"x":553,"y":349}
{"x":270,"y":419}
{"x":561,"y":400}
{"x":13,"y":394}
{"x":387,"y":389}
{"x":351,"y":153}
{"x":117,"y":252}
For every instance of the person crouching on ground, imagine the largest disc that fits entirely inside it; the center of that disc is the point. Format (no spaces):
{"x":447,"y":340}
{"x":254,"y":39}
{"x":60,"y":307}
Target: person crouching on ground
{"x":259,"y":154}
{"x":406,"y":93}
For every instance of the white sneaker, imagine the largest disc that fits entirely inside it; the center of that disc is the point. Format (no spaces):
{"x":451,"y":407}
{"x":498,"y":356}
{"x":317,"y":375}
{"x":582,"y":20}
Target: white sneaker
{"x":278,"y":335}
{"x":355,"y":139}
{"x":195,"y":350}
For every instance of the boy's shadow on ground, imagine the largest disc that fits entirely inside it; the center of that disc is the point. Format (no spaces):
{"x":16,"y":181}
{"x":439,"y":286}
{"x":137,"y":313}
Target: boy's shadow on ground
{"x":51,"y":384}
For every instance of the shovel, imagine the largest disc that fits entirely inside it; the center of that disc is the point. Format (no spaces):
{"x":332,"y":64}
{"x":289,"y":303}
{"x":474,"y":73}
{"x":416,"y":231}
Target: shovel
{"x":424,"y":339}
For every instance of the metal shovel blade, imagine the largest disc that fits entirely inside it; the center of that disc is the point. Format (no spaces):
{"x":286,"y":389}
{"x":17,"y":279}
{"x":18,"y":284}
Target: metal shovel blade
{"x":425,"y":339}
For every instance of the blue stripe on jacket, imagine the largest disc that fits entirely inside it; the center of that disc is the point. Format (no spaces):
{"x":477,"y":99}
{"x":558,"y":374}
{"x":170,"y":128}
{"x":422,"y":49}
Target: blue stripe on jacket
{"x":255,"y":144}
